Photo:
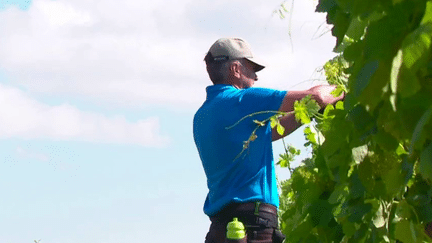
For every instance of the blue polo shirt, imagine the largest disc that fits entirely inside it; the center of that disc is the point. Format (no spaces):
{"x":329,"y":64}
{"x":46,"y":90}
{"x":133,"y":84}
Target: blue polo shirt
{"x":233,"y":175}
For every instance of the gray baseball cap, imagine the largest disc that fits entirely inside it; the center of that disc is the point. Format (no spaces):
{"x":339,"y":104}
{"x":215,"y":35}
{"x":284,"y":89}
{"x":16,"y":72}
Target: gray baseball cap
{"x":232,"y":49}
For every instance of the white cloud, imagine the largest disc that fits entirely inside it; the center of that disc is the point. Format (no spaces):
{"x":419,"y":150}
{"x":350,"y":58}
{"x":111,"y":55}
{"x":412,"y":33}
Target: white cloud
{"x":24,"y":117}
{"x":97,"y":49}
{"x":146,"y":53}
{"x":59,"y":14}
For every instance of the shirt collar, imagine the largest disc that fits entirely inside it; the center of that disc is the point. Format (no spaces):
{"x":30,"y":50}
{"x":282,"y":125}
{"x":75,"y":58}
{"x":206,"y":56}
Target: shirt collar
{"x":214,"y":90}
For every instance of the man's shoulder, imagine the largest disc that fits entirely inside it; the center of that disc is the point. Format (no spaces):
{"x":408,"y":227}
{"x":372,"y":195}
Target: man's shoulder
{"x":259,"y":92}
{"x":262,"y":89}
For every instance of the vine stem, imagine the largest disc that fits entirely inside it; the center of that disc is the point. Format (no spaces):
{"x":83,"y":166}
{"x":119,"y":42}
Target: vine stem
{"x":258,"y":113}
{"x":259,"y":124}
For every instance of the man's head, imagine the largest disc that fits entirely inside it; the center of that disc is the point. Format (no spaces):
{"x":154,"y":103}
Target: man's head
{"x":230,"y":61}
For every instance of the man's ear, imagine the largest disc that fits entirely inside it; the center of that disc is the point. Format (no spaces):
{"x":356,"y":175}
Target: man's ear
{"x":235,"y":69}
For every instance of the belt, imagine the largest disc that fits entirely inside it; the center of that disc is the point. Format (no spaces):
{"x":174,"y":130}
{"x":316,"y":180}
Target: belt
{"x":256,"y":207}
{"x":254,"y":212}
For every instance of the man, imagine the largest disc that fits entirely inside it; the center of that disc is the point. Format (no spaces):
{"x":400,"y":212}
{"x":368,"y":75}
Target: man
{"x":241,"y":179}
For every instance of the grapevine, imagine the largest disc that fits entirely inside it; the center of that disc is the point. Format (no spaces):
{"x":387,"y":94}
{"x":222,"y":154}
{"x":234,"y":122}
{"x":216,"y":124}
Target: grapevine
{"x":369,"y":176}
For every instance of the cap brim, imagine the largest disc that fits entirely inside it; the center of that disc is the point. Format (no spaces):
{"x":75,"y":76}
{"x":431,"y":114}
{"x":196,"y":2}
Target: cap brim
{"x":257,"y":67}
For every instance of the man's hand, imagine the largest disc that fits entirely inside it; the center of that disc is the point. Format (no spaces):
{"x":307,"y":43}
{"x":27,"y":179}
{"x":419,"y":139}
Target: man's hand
{"x":322,"y":94}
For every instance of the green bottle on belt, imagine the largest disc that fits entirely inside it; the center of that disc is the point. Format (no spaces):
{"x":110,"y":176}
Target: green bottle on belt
{"x":236,"y":232}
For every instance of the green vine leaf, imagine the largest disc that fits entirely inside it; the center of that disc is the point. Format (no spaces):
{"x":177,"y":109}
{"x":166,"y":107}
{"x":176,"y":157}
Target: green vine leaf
{"x":273,"y":121}
{"x":280,"y":129}
{"x":426,"y":163}
{"x":418,"y":134}
{"x":305,"y":109}
{"x":405,"y":231}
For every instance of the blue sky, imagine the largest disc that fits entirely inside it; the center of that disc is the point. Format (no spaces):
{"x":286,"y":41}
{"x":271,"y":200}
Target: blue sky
{"x":96,"y":107}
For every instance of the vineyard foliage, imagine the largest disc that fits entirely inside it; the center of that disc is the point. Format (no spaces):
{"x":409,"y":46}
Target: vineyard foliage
{"x":369,"y":177}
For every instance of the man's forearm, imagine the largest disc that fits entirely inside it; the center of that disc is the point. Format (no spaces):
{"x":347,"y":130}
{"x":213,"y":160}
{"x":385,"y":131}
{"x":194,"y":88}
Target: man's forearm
{"x":321,"y":93}
{"x":289,"y":123}
{"x":291,"y":96}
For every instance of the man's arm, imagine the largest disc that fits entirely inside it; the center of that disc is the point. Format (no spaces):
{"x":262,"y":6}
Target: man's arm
{"x":321,"y":93}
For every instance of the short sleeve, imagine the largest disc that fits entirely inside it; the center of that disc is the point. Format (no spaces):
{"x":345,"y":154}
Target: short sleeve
{"x":255,"y":100}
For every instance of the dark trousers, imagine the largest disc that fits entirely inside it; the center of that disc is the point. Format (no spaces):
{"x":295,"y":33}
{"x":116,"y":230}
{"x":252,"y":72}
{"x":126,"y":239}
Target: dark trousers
{"x":260,"y":222}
